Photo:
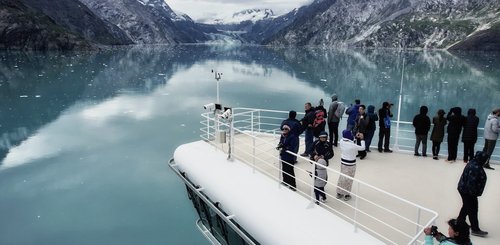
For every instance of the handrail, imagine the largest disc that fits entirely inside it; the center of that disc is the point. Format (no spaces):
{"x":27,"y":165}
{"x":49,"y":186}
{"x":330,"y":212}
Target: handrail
{"x":258,"y":123}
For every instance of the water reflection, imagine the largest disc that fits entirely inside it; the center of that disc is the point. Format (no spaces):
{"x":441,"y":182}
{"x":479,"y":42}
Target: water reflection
{"x":101,"y":126}
{"x":37,"y":88}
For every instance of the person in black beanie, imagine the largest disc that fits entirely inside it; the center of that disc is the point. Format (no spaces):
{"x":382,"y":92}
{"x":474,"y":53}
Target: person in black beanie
{"x":469,"y":134}
{"x":422,"y":124}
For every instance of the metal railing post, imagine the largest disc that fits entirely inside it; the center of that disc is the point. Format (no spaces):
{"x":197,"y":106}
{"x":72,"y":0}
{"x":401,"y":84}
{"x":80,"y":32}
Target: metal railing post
{"x":419,"y":212}
{"x":208,"y":127}
{"x":356,"y":208}
{"x":253,"y":142}
{"x":313,"y":175}
{"x":258,"y":117}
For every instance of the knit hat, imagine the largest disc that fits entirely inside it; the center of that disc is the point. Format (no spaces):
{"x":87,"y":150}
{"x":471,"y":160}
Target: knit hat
{"x":335,"y":97}
{"x":347,"y":134}
{"x":323,"y":134}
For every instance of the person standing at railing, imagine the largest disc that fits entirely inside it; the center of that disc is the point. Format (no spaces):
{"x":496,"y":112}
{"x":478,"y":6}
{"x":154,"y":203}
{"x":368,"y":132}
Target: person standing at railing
{"x":348,"y":149}
{"x":422,"y":124}
{"x":491,"y":130}
{"x":372,"y":126}
{"x":322,"y":148}
{"x":307,"y":125}
{"x":288,"y":142}
{"x":469,"y":134}
{"x":295,"y":128}
{"x":455,"y":124}
{"x":384,"y":133}
{"x":360,"y":128}
{"x":320,"y":178}
{"x":352,"y":111}
{"x":437,"y":134}
{"x":335,"y":112}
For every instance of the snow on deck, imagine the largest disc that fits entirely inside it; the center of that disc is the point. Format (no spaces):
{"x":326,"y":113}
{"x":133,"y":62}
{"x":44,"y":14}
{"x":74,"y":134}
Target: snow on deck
{"x":270,"y":212}
{"x":424,"y":181}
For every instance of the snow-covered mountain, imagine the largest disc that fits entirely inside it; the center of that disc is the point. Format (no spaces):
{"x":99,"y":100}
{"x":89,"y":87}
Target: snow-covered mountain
{"x":247,"y":15}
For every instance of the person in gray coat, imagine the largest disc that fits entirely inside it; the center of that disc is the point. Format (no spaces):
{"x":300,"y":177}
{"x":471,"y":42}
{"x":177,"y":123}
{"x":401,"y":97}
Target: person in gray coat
{"x":491,"y":130}
{"x":320,"y":178}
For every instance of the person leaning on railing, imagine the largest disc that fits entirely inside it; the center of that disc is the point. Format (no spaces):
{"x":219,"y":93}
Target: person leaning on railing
{"x":458,"y":232}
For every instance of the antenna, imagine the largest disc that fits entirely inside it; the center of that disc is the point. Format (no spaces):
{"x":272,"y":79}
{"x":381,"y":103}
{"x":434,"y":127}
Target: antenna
{"x":217,"y":76}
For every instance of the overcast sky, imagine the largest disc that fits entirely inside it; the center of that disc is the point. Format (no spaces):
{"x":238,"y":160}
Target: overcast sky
{"x":202,"y":9}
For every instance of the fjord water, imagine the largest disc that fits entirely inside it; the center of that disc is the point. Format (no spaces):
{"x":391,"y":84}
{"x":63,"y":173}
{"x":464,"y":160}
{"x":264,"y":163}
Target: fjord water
{"x":86,"y":137}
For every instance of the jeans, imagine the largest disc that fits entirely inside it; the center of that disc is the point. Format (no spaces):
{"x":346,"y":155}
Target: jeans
{"x":452,"y":148}
{"x":309,"y":141}
{"x":469,"y":208}
{"x":421,"y":138}
{"x":436,"y":146}
{"x":468,"y":150}
{"x":333,"y":128}
{"x":319,"y":192}
{"x":489,"y":146}
{"x":368,"y":138}
{"x":384,"y":135}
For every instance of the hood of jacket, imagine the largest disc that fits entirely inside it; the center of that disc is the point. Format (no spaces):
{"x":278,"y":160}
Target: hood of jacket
{"x":371,"y":109}
{"x":424,"y":110}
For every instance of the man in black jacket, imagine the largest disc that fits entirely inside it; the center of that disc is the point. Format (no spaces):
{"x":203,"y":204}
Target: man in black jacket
{"x":384,"y":115}
{"x":422,"y":124}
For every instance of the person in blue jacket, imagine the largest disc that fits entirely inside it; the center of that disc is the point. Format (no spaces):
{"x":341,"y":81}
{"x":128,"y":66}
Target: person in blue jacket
{"x":288,"y":142}
{"x":458,"y":233}
{"x":470,"y":186}
{"x":353,"y":112}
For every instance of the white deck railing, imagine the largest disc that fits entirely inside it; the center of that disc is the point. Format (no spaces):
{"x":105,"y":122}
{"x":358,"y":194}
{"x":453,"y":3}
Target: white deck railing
{"x":253,"y":135}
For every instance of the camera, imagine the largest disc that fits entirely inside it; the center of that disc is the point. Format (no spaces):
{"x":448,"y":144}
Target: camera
{"x":209,"y":106}
{"x":434,"y":230}
{"x":226,"y":114}
{"x":280,"y":146}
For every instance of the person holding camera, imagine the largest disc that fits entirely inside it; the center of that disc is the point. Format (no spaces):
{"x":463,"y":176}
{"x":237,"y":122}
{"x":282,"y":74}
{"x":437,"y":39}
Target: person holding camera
{"x":322,"y":149}
{"x":458,"y":233}
{"x":288,"y":142}
{"x":349,"y":149}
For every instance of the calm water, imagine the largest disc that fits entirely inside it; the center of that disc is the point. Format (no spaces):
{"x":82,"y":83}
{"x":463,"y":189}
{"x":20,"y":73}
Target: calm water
{"x":86,"y":137}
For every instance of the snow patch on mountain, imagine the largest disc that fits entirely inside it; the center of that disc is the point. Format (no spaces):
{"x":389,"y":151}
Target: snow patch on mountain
{"x":252,"y":15}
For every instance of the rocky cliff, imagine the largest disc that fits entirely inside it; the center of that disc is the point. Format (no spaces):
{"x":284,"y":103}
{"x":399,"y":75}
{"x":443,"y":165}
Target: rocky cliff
{"x":149,"y":21}
{"x":31,"y":25}
{"x":423,"y":24}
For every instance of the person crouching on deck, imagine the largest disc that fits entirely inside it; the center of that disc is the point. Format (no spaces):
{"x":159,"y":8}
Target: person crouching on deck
{"x":348,"y":149}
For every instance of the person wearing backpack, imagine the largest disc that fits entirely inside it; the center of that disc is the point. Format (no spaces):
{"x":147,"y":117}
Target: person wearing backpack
{"x":422,"y":124}
{"x":352,"y":111}
{"x":319,"y":122}
{"x":335,"y":112}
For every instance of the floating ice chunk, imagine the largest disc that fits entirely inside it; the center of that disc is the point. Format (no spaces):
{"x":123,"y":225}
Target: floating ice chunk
{"x":38,"y":96}
{"x":23,"y":96}
{"x":445,"y":82}
{"x":38,"y":216}
{"x":183,"y":125}
{"x":303,"y":72}
{"x":40,"y":75}
{"x":161,"y":74}
{"x":323,"y":80}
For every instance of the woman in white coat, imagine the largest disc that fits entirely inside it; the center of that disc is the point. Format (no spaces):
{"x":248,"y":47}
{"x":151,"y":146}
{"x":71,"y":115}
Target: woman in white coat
{"x":349,"y":149}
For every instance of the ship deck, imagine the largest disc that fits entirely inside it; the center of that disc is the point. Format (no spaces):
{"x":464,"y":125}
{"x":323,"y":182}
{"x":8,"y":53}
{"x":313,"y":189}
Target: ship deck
{"x":422,"y":180}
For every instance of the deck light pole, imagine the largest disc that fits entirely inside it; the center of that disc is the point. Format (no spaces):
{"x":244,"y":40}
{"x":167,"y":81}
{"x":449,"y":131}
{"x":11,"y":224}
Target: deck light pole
{"x":217,"y":76}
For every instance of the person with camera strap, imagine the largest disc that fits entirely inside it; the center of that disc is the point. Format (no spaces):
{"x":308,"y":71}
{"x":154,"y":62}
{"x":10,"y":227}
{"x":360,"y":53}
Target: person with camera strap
{"x":458,"y":233}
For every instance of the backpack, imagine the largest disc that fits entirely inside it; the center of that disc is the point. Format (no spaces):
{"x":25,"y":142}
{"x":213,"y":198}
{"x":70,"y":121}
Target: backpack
{"x":340,"y":109}
{"x":319,"y":118}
